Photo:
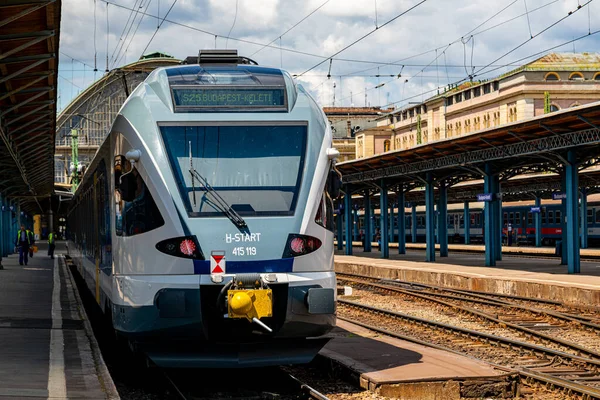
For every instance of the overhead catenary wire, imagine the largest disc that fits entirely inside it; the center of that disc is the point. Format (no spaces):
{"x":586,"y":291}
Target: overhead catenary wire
{"x":520,"y":60}
{"x":289,"y":29}
{"x":158,"y":27}
{"x":366,"y":35}
{"x":131,"y":13}
{"x":122,"y":49}
{"x":402,"y":60}
{"x":299,"y":52}
{"x":134,"y":33}
{"x":232,"y":25}
{"x":528,"y":22}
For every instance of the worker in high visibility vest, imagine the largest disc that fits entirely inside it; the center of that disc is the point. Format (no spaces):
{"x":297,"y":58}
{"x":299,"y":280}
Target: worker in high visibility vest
{"x":51,"y":244}
{"x":23,"y":241}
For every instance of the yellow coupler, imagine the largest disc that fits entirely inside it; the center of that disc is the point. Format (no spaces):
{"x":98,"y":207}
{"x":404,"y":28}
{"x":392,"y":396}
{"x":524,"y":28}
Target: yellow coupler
{"x":250,"y":303}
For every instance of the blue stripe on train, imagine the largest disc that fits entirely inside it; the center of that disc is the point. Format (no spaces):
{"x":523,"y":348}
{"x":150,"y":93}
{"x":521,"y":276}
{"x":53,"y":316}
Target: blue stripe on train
{"x":202,"y":267}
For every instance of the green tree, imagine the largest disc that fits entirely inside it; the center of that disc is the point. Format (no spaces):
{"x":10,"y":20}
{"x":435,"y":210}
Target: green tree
{"x":546,"y":102}
{"x":419,"y":140}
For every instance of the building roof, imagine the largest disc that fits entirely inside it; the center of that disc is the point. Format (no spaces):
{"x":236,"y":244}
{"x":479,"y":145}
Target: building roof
{"x":97,"y":88}
{"x":29,"y":38}
{"x":564,"y":62}
{"x":355,"y":110}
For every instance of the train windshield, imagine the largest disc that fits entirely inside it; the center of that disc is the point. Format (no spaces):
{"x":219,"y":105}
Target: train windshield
{"x":256,"y":169}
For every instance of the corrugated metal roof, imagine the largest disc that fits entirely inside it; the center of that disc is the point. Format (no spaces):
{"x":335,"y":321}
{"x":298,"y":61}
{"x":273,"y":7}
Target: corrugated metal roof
{"x":29,"y":36}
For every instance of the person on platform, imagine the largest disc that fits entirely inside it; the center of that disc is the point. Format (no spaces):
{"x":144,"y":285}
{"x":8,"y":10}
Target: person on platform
{"x":51,"y":244}
{"x":31,"y":242}
{"x":23,"y":242}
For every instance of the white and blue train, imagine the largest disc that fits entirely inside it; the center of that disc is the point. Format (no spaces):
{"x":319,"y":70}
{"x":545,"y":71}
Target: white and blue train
{"x":204,"y":224}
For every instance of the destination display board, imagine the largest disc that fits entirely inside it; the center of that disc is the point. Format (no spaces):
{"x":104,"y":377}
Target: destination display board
{"x":229,"y":97}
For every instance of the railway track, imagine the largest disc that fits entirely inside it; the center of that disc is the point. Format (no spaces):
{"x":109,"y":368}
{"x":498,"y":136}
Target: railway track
{"x":549,"y":328}
{"x":574,"y":375}
{"x":583,"y":313}
{"x":280,"y":384}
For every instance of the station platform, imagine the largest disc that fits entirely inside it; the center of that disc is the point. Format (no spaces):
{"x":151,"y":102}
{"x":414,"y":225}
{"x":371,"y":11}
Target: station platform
{"x":401,"y":369}
{"x":475,"y":248}
{"x":47,"y":347}
{"x":530,"y":277}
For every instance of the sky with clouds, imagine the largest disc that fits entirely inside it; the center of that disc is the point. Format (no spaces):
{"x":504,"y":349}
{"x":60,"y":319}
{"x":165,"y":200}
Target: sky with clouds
{"x":412,"y":48}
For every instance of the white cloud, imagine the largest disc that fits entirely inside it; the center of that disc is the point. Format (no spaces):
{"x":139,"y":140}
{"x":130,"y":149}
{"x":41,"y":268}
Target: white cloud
{"x":334,"y":26}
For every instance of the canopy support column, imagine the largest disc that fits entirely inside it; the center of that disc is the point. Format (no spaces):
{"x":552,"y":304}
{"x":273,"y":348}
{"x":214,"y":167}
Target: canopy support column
{"x":488,"y":223}
{"x":383,"y":212}
{"x":368,"y":229}
{"x":443,"y":220}
{"x":401,"y":222}
{"x":348,"y":219}
{"x":572,"y":205}
{"x":538,"y":222}
{"x":414,"y":223}
{"x":584,"y":221}
{"x":467,"y":223}
{"x":429,"y":219}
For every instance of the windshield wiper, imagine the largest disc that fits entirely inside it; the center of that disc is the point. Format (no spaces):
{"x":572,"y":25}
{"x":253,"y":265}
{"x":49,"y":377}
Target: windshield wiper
{"x":217,"y":201}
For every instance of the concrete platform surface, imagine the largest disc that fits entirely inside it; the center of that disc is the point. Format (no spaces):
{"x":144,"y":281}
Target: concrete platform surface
{"x":402,"y":369}
{"x":478,"y":248}
{"x":530,"y":277}
{"x":47,"y":348}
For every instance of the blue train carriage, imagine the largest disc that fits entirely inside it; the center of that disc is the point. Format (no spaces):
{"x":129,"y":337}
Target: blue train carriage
{"x":516,"y":214}
{"x":204,"y":225}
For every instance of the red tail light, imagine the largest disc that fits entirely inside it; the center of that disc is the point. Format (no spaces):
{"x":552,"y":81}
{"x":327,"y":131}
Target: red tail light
{"x":299,"y":245}
{"x":185,"y":247}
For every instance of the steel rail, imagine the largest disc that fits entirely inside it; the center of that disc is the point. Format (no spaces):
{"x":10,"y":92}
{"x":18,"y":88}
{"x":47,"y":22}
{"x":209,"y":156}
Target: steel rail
{"x":486,"y":295}
{"x":592,"y":366}
{"x":524,"y":372}
{"x":310,"y":391}
{"x":579,"y":350}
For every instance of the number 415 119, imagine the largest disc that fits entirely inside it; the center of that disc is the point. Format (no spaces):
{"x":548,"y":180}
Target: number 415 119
{"x":244,"y":251}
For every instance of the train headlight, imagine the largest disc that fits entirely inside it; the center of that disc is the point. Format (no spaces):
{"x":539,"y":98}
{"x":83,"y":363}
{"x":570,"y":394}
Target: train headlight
{"x":299,"y":245}
{"x":185,"y":247}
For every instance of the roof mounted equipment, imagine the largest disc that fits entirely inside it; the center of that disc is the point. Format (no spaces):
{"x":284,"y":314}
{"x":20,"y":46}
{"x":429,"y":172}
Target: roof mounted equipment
{"x":218,"y":57}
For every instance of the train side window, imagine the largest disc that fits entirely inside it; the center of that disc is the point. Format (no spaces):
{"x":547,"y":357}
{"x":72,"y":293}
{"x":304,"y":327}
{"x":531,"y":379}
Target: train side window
{"x":529,"y":218}
{"x":557,"y":217}
{"x":408,"y":222}
{"x":472,"y":219}
{"x":550,"y":217}
{"x":139,"y":215}
{"x":597,"y":215}
{"x":543,"y":216}
{"x":505,"y":219}
{"x":462,"y":221}
{"x":590,"y":216}
{"x":511,"y":218}
{"x":477,"y":219}
{"x":518,"y":218}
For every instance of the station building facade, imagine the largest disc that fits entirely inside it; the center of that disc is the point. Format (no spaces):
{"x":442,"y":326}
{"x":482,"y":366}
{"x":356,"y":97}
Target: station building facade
{"x":553,"y":82}
{"x":346,"y":122}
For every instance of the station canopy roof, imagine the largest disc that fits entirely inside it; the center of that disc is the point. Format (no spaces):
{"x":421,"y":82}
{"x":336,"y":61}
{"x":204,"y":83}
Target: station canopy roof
{"x":536,"y":144}
{"x":29,"y":37}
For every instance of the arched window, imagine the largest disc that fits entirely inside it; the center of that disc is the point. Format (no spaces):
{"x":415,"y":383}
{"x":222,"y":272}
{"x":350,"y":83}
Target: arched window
{"x":386,"y":146}
{"x":597,"y":76}
{"x":552,"y":76}
{"x":553,"y":108}
{"x":576,"y":76}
